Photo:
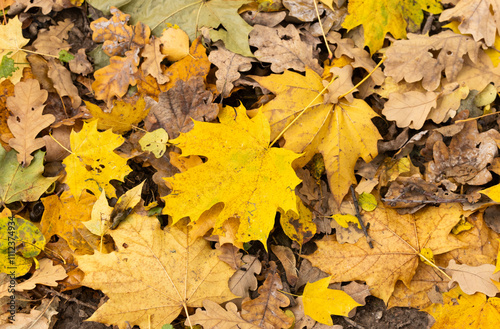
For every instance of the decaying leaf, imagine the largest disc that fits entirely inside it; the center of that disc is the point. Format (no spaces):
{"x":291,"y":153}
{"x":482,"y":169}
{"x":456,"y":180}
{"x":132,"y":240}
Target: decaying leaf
{"x":216,"y":317}
{"x":63,"y":83}
{"x":11,"y":41}
{"x":265,"y":310}
{"x":287,"y":259}
{"x":244,"y":279}
{"x":117,"y":35}
{"x":152,"y":63}
{"x":238,"y":153}
{"x":180,"y":105}
{"x":283,"y":48}
{"x":155,"y":274}
{"x":474,"y":279}
{"x":27,"y":119}
{"x":53,"y":40}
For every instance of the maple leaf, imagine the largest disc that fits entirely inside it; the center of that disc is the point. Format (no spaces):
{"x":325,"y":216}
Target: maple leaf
{"x":397,"y":241}
{"x":251,"y":179}
{"x":341,"y":133}
{"x":459,"y":309}
{"x":413,"y":59}
{"x":320,"y":302}
{"x":11,"y":41}
{"x":123,"y":115}
{"x":22,"y":184}
{"x":92,"y":163}
{"x":387,"y":16}
{"x":155,"y":274}
{"x":114,"y":79}
{"x":27,"y":119}
{"x":265,"y":310}
{"x":480,"y":18}
{"x":283,"y":48}
{"x":117,"y":36}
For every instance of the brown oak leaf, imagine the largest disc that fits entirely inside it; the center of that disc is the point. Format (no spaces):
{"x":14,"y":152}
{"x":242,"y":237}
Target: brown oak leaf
{"x":52,"y":41}
{"x":63,"y":83}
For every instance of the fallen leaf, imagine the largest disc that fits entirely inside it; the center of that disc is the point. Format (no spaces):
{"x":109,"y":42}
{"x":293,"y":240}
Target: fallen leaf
{"x":155,"y":142}
{"x":27,"y":119}
{"x":320,"y":303}
{"x":410,"y":109}
{"x":474,"y":279}
{"x":341,"y":133}
{"x":238,"y":154}
{"x":229,"y":65}
{"x":121,"y":117}
{"x":265,"y":310}
{"x":413,"y":59}
{"x":299,"y":226}
{"x":287,"y":259}
{"x":38,"y":318}
{"x":155,"y":274}
{"x":80,"y":64}
{"x":63,"y":83}
{"x":117,"y":35}
{"x":51,"y":41}
{"x":179,"y":106}
{"x":19,"y":183}
{"x":397,"y":241}
{"x":92,"y":163}
{"x":11,"y":41}
{"x":47,"y":274}
{"x":283,"y":48}
{"x":243,"y":280}
{"x":387,"y":16}
{"x":459,"y":309}
{"x":152,"y":63}
{"x":114,"y":79}
{"x":216,"y":317}
{"x":175,"y":44}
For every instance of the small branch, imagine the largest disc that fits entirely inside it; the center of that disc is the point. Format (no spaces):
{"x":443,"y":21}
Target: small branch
{"x":358,"y":215}
{"x":425,"y":201}
{"x":70,"y":299}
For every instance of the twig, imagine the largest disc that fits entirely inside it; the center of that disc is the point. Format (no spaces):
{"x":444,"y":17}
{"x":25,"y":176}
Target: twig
{"x":70,"y":299}
{"x":425,"y":201}
{"x":358,"y":215}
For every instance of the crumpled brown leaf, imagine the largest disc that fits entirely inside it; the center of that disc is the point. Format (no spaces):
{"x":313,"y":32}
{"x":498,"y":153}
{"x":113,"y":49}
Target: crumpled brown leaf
{"x":283,"y":48}
{"x":229,"y":65}
{"x":410,"y":109}
{"x":80,"y":64}
{"x":466,"y":159}
{"x":52,"y":41}
{"x":63,"y":83}
{"x":413,"y":61}
{"x":244,"y":279}
{"x":177,"y":107}
{"x":152,"y":63}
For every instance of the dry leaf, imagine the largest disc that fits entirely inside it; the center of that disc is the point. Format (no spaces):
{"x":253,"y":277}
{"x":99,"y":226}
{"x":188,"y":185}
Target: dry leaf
{"x":283,"y":48}
{"x":410,"y":109}
{"x":63,"y":83}
{"x":27,"y":119}
{"x":11,"y":41}
{"x":474,"y":279}
{"x":155,"y":274}
{"x":244,"y":279}
{"x":80,"y":64}
{"x":287,"y":259}
{"x":216,"y":317}
{"x":152,"y":63}
{"x":52,"y":41}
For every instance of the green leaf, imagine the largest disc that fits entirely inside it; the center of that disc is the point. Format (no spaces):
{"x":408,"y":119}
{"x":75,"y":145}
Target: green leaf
{"x":22,"y":184}
{"x":65,"y":57}
{"x":7,"y":66}
{"x":25,"y":242}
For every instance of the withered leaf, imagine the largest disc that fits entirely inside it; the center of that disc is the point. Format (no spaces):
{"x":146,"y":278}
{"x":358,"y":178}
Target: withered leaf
{"x":185,"y":101}
{"x":52,"y":41}
{"x":63,"y":83}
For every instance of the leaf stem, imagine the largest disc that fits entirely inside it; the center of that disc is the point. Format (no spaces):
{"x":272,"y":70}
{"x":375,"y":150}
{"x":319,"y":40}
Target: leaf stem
{"x":175,"y":12}
{"x":364,"y":79}
{"x":302,"y":112}
{"x":330,"y":54}
{"x":434,"y":265}
{"x":38,"y":53}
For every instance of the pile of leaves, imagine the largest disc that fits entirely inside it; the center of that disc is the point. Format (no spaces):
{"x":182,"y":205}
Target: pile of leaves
{"x":250,"y":164}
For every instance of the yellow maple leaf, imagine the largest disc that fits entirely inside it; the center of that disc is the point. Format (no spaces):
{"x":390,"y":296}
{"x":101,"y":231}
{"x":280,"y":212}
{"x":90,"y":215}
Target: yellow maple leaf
{"x":11,"y":41}
{"x":92,"y":163}
{"x":155,"y":274}
{"x":320,"y":302}
{"x":251,"y":179}
{"x":124,"y":114}
{"x":341,"y":133}
{"x":397,"y":242}
{"x":380,"y":17}
{"x":459,"y":308}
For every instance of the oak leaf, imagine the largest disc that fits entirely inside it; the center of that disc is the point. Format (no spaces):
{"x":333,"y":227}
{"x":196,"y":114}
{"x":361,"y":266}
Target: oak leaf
{"x":265,"y":310}
{"x":238,"y":155}
{"x":410,"y":109}
{"x":114,"y":79}
{"x":283,"y":48}
{"x":155,"y":274}
{"x":117,"y":35}
{"x":27,"y":119}
{"x":287,"y":259}
{"x":341,"y":133}
{"x":92,"y":163}
{"x":22,"y":184}
{"x":459,"y":309}
{"x":424,"y":58}
{"x":387,"y":16}
{"x":320,"y":303}
{"x":180,"y":105}
{"x":52,"y":41}
{"x":121,"y":117}
{"x":216,"y":317}
{"x":244,"y":280}
{"x":11,"y":41}
{"x":474,"y":279}
{"x":152,"y":62}
{"x":63,"y":83}
{"x":397,"y":241}
{"x":478,"y":18}
{"x":80,"y":64}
